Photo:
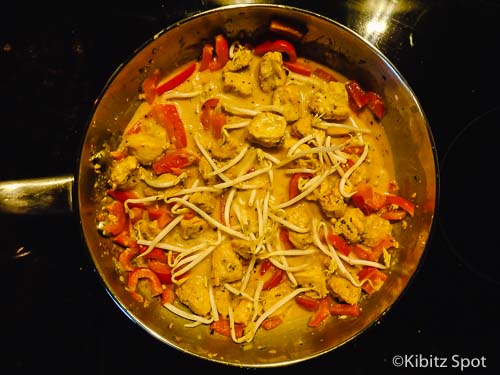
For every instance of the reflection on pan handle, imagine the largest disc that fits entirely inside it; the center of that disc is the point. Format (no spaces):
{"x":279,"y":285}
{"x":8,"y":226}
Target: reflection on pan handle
{"x":37,"y":196}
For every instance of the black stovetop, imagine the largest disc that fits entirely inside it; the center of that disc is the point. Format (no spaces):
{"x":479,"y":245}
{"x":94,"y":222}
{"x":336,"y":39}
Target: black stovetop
{"x":57,"y":317}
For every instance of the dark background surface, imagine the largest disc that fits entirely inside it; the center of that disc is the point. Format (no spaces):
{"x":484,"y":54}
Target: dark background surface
{"x":55,"y":315}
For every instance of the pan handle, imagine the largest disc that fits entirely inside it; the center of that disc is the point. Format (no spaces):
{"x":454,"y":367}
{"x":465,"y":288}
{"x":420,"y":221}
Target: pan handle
{"x":36,"y":196}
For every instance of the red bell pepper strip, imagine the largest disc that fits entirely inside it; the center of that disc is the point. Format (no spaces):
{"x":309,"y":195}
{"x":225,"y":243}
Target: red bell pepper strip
{"x":123,"y":195}
{"x":265,"y":266}
{"x":361,"y":98}
{"x":168,"y":295}
{"x":271,"y":322}
{"x":223,"y":327}
{"x":161,"y":214}
{"x":375,"y":104}
{"x":116,"y":212}
{"x":293,"y":187}
{"x":285,"y":238}
{"x":345,"y":309}
{"x":211,"y":118}
{"x":373,"y":254}
{"x":125,"y":258}
{"x":123,"y":239}
{"x":324,"y":75}
{"x":162,"y":270}
{"x":279,"y":45}
{"x":174,"y":162}
{"x":156,"y":253}
{"x":321,"y":314}
{"x":211,"y":62}
{"x":367,"y":200}
{"x":298,"y":68}
{"x":396,"y":200}
{"x":168,"y":117}
{"x":221,"y":53}
{"x":149,"y":86}
{"x":356,"y":94}
{"x":339,"y":243}
{"x":275,"y":278}
{"x":375,"y":278}
{"x":141,"y":273}
{"x":176,"y":79}
{"x":307,"y":303}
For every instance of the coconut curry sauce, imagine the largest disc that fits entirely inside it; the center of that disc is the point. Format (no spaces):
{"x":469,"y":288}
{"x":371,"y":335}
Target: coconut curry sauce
{"x":250,"y":186}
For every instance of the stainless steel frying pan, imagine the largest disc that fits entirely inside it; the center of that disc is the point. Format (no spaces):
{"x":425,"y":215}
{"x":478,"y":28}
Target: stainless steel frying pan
{"x":325,"y":41}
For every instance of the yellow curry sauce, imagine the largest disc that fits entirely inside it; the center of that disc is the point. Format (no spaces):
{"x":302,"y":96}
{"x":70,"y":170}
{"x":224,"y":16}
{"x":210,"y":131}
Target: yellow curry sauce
{"x":251,"y":185}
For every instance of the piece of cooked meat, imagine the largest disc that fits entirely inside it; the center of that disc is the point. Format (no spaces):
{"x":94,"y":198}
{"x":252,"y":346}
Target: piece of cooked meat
{"x":343,"y":289}
{"x":299,"y":215}
{"x":289,"y":98}
{"x":272,"y":74}
{"x":193,"y":292}
{"x":226,"y":265}
{"x":331,"y":101}
{"x":267,"y":129}
{"x":313,"y":277}
{"x":351,"y":225}
{"x":146,"y":141}
{"x":123,"y":172}
{"x":241,"y":59}
{"x":240,"y":83}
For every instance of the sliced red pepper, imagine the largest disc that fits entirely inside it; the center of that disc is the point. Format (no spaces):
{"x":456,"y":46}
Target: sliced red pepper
{"x":275,"y":278}
{"x":161,"y":214}
{"x":324,"y":75}
{"x":272,"y":322}
{"x":223,"y":327}
{"x":116,"y":213}
{"x":293,"y":187}
{"x":285,"y":238}
{"x":339,"y":243}
{"x":156,"y":253}
{"x":168,"y":116}
{"x":361,"y":98}
{"x":308,"y":303}
{"x":279,"y":45}
{"x":211,"y":118}
{"x":367,"y":200}
{"x":123,"y":239}
{"x":375,"y":279}
{"x":174,"y":162}
{"x":396,"y":200}
{"x":149,"y":86}
{"x":298,"y":68}
{"x":207,"y":55}
{"x":125,"y":258}
{"x":176,"y":79}
{"x":168,"y":295}
{"x":375,"y":104}
{"x":393,"y":215}
{"x":345,"y":309}
{"x":123,"y":195}
{"x":221,"y":53}
{"x":321,"y":314}
{"x":356,"y":94}
{"x":265,"y":266}
{"x":162,"y":270}
{"x":143,"y":273}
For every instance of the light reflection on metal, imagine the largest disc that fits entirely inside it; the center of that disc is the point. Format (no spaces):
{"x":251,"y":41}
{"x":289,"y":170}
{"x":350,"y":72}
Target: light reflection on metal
{"x":21,"y":252}
{"x":376,"y":25}
{"x":231,"y":2}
